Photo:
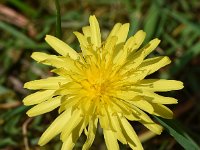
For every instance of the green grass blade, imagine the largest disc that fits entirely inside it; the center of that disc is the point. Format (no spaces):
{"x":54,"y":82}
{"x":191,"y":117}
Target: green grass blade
{"x":187,"y":56}
{"x":16,"y":33}
{"x":151,"y":21}
{"x":181,"y":18}
{"x":58,"y":20}
{"x":24,"y":7}
{"x":175,"y":130}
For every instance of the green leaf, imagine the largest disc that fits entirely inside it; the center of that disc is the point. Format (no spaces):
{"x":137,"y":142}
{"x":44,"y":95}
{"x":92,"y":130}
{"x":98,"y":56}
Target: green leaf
{"x":58,"y":20}
{"x":183,"y":19}
{"x":185,"y":58}
{"x":151,"y":21}
{"x":5,"y":93}
{"x":14,"y":112}
{"x":174,"y":129}
{"x":24,"y":7}
{"x":16,"y":33}
{"x":7,"y":141}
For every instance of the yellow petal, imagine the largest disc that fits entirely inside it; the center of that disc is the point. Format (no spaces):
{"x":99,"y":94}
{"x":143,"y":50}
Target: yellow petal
{"x":92,"y":127}
{"x":110,"y":44}
{"x":105,"y":120}
{"x":142,"y":115}
{"x":136,"y":76}
{"x":87,"y":32}
{"x":81,"y":38}
{"x":110,"y":139}
{"x":70,"y":90}
{"x":156,"y":128}
{"x":162,"y":111}
{"x":67,"y":73}
{"x":133,"y":61}
{"x":159,"y":85}
{"x":154,"y":64}
{"x":144,"y":105}
{"x":150,"y":46}
{"x":126,"y":95}
{"x":55,"y":62}
{"x":155,"y":98}
{"x":118,"y":129}
{"x":70,"y":141}
{"x":120,"y":58}
{"x":68,"y":102}
{"x":39,"y":56}
{"x":88,"y":105}
{"x":122,"y":33}
{"x":44,"y":107}
{"x":114,"y":30}
{"x":132,"y":117}
{"x":134,"y":42}
{"x":73,"y":122}
{"x":55,"y":128}
{"x":95,"y":30}
{"x":68,"y":144}
{"x":83,"y":43}
{"x":51,"y":83}
{"x":130,"y":134}
{"x":38,"y":97}
{"x":120,"y":106}
{"x":61,"y":47}
{"x":52,"y":60}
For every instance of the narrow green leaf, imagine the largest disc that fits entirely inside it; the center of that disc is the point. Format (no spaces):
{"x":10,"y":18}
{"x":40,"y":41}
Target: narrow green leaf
{"x":151,"y":21}
{"x":17,"y":34}
{"x":5,"y":93}
{"x":175,"y":130}
{"x":24,"y":7}
{"x":14,"y":112}
{"x":58,"y":20}
{"x":183,"y":19}
{"x":7,"y":142}
{"x":187,"y":56}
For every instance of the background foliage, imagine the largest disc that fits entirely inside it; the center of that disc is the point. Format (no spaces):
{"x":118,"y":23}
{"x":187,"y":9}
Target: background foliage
{"x":23,"y":26}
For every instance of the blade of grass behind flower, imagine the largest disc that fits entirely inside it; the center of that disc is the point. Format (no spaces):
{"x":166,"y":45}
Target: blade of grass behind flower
{"x":151,"y":21}
{"x":186,"y":57}
{"x":182,"y":18}
{"x":175,"y":130}
{"x":24,"y":7}
{"x":58,"y":20}
{"x":5,"y":93}
{"x":14,"y":112}
{"x":16,"y":33}
{"x":135,"y":16}
{"x":7,"y":141}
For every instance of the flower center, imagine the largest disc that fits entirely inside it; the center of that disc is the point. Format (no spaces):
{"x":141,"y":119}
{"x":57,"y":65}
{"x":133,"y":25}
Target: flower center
{"x":98,"y":89}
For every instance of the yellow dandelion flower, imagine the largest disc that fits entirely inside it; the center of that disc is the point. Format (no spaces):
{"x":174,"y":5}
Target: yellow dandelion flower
{"x":105,"y":83}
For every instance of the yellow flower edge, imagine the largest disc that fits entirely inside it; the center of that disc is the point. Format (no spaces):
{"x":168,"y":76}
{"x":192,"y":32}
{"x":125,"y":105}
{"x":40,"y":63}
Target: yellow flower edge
{"x":105,"y":83}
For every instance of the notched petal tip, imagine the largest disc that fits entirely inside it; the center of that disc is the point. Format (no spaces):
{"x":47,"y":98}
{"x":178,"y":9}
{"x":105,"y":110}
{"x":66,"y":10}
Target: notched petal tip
{"x":141,"y":33}
{"x":26,"y":85}
{"x":42,"y":141}
{"x":24,"y":101}
{"x":155,"y":41}
{"x":167,"y":59}
{"x":178,"y":84}
{"x":48,"y":36}
{"x":160,"y":131}
{"x":181,"y":85}
{"x":29,"y":113}
{"x":92,"y":17}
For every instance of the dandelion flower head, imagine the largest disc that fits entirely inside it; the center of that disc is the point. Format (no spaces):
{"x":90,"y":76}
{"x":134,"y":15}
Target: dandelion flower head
{"x":105,"y":84}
